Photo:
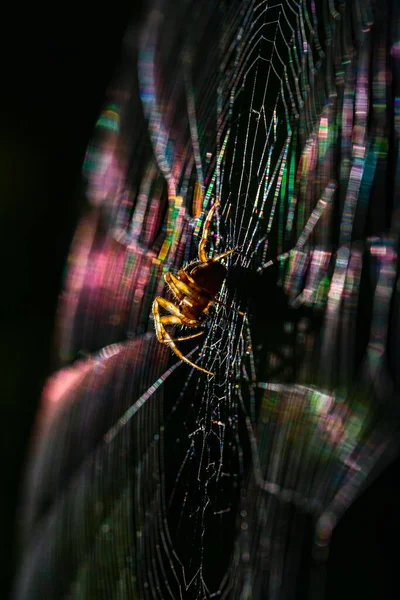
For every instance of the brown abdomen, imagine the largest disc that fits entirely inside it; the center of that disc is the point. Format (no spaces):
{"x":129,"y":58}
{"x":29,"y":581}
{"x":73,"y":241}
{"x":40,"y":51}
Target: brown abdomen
{"x":209,"y":276}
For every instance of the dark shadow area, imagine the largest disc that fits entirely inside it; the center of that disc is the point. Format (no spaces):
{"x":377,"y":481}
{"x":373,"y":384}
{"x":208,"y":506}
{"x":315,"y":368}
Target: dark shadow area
{"x":55,"y":73}
{"x":363,"y":556}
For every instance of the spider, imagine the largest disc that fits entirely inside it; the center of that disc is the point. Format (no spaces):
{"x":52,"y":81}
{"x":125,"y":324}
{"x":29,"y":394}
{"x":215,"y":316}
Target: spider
{"x":195,"y":287}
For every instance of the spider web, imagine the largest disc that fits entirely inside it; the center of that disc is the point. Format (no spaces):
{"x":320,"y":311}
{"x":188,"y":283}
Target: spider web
{"x":206,"y":487}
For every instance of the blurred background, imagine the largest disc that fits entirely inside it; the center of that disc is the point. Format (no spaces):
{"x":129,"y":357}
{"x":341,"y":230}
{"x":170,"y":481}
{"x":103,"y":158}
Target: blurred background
{"x":55,"y":71}
{"x":56,"y":67}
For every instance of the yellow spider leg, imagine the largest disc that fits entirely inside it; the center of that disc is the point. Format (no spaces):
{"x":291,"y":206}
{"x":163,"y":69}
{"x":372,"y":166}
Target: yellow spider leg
{"x":219,"y":256}
{"x":203,"y":241}
{"x":175,"y":349}
{"x":180,"y":288}
{"x":173,"y":310}
{"x":170,"y":281}
{"x":187,"y":337}
{"x":166,"y":320}
{"x":162,"y":334}
{"x":191,"y":282}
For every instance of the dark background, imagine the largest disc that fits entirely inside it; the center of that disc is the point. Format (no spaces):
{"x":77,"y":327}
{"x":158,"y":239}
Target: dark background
{"x":55,"y":71}
{"x":55,"y":68}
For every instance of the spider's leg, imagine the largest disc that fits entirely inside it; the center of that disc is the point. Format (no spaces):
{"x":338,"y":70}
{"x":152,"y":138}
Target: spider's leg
{"x":162,"y":334}
{"x":204,"y":237}
{"x":173,"y":310}
{"x":219,"y":256}
{"x":170,"y":320}
{"x":186,"y":278}
{"x":187,"y":337}
{"x":184,"y":291}
{"x":180,"y":291}
{"x":175,"y":349}
{"x":180,"y":288}
{"x":170,"y":281}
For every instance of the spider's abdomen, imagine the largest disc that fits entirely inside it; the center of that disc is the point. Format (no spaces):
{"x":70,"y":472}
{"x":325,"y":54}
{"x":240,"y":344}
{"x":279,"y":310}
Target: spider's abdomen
{"x":209,"y":276}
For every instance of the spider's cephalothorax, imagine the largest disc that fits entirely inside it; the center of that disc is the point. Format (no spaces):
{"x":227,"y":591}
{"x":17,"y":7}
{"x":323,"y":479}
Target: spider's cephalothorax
{"x":195,"y":288}
{"x":205,"y":278}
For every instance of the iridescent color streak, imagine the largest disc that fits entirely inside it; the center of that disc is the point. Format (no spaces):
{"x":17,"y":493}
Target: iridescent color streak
{"x":396,"y":201}
{"x":174,"y":226}
{"x":101,"y":165}
{"x":197,"y":200}
{"x":358,"y":148}
{"x":281,"y":164}
{"x":323,"y":129}
{"x":110,"y":119}
{"x":291,"y":186}
{"x":298,"y":259}
{"x":281,"y":191}
{"x":315,"y":215}
{"x":386,"y":265}
{"x":323,"y":138}
{"x":211,"y":185}
{"x":148,"y":95}
{"x":315,"y":290}
{"x":138,"y":221}
{"x":191,"y":105}
{"x":163,"y":147}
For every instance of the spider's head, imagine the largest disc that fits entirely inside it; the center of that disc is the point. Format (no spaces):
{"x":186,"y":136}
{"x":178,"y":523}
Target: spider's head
{"x":209,"y":276}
